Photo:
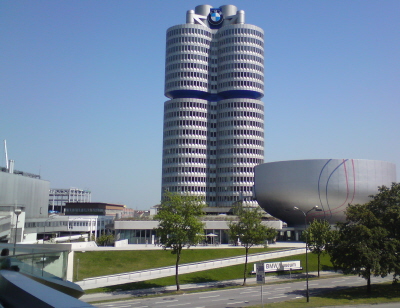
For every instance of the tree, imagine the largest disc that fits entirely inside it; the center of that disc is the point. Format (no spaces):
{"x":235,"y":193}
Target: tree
{"x":249,"y":229}
{"x":179,"y":224}
{"x":105,"y":239}
{"x":359,"y":244}
{"x":385,"y":205}
{"x":317,"y":236}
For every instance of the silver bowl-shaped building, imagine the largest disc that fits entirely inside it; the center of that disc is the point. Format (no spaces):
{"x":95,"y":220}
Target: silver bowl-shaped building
{"x":331,"y":184}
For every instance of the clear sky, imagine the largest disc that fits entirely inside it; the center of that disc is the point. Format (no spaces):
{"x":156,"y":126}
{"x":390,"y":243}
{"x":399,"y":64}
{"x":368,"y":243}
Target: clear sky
{"x":82,"y":86}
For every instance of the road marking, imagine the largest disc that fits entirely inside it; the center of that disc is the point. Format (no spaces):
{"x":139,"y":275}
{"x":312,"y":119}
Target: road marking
{"x":277,"y":297}
{"x":209,"y":296}
{"x":249,"y":292}
{"x":235,"y":303}
{"x":218,"y":300}
{"x":185,"y":304}
{"x":166,"y":302}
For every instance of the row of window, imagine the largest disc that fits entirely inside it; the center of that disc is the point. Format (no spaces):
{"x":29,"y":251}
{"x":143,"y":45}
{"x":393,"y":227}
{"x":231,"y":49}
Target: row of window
{"x":188,"y":113}
{"x":240,"y":113}
{"x":188,"y":188}
{"x":240,"y":132}
{"x":236,"y":65}
{"x":189,"y":31}
{"x":240,"y":123}
{"x":242,"y":83}
{"x":192,"y":74}
{"x":241,"y":75}
{"x":186,"y":83}
{"x":189,"y":104}
{"x":187,"y":39}
{"x":185,"y":169}
{"x":240,"y":160}
{"x":234,"y":179}
{"x":240,"y":105}
{"x":234,"y":31}
{"x":185,"y":123}
{"x":240,"y":39}
{"x":179,"y":66}
{"x":189,"y":151}
{"x":188,"y":160}
{"x":187,"y":56}
{"x":186,"y":141}
{"x":180,"y":48}
{"x":241,"y":57}
{"x":241,"y":151}
{"x":240,"y":141}
{"x":241,"y":48}
{"x":190,"y":123}
{"x":184,"y":132}
{"x":235,"y":170}
{"x":184,"y":179}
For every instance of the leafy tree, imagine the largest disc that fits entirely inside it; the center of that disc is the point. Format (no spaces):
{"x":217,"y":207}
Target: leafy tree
{"x":179,"y":224}
{"x":359,"y":243}
{"x":317,"y":236}
{"x":249,"y":229}
{"x":105,"y":239}
{"x":386,"y":207}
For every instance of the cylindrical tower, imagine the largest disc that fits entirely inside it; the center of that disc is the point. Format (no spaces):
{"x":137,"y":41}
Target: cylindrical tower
{"x":214,"y":122}
{"x":186,"y":65}
{"x":185,"y":146}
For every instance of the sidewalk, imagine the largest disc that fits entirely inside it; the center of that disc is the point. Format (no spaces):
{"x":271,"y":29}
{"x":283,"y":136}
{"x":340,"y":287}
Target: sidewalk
{"x":198,"y":286}
{"x":156,"y":247}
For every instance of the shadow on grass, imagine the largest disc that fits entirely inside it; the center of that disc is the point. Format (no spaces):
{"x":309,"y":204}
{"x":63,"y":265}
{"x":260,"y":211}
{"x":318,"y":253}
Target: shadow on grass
{"x":126,"y":287}
{"x":198,"y":279}
{"x":346,"y":295}
{"x":387,"y":291}
{"x":327,"y":267}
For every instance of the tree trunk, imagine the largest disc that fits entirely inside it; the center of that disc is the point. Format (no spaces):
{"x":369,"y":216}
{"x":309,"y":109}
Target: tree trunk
{"x":178,"y":258}
{"x":245,"y":267}
{"x":369,"y":281}
{"x":319,"y":262}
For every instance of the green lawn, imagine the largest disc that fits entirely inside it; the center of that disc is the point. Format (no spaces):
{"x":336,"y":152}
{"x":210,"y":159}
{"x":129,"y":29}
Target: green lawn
{"x":381,"y":293}
{"x":165,"y":258}
{"x":100,"y":263}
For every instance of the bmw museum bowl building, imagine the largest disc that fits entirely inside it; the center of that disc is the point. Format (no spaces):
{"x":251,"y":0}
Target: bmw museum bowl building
{"x":331,"y":184}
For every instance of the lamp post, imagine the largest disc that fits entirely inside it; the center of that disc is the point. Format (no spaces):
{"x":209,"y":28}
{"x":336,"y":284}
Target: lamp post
{"x":305,"y":229}
{"x":16,"y":212}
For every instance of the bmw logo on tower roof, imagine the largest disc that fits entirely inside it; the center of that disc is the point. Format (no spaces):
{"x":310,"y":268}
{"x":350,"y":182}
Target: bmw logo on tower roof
{"x":215,"y":18}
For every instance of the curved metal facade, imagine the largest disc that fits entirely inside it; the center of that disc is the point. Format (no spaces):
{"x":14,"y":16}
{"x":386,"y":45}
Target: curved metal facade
{"x":214,"y":122}
{"x":331,"y":184}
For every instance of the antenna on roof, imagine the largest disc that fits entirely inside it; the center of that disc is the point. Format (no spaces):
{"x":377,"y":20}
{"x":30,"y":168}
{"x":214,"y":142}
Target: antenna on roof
{"x":5,"y":151}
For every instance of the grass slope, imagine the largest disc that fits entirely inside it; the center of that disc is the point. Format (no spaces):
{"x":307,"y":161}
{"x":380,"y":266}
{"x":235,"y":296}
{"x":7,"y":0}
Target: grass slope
{"x":100,"y":263}
{"x":225,"y":273}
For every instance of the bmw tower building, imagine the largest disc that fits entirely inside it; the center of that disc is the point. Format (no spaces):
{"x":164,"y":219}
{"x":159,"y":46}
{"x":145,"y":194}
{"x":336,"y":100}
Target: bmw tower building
{"x":214,"y":118}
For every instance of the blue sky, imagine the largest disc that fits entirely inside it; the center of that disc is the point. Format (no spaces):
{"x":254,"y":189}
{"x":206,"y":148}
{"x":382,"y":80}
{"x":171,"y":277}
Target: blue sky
{"x":81,"y":86}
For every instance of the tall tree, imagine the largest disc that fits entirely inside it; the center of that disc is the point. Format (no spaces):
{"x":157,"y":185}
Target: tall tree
{"x":317,"y":236}
{"x":386,"y":207}
{"x":249,"y":229}
{"x":358,"y":244}
{"x":179,"y":224}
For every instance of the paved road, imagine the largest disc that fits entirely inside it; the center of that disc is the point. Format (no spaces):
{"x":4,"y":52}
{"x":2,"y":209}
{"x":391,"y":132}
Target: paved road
{"x":245,"y":296}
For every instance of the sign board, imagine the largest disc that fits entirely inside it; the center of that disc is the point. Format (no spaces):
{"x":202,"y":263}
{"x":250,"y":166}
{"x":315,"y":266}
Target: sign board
{"x":279,"y":266}
{"x":260,"y":274}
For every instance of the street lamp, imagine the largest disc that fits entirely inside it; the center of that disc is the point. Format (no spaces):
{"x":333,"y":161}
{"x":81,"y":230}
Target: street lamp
{"x":16,"y":212}
{"x":305,"y":229}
